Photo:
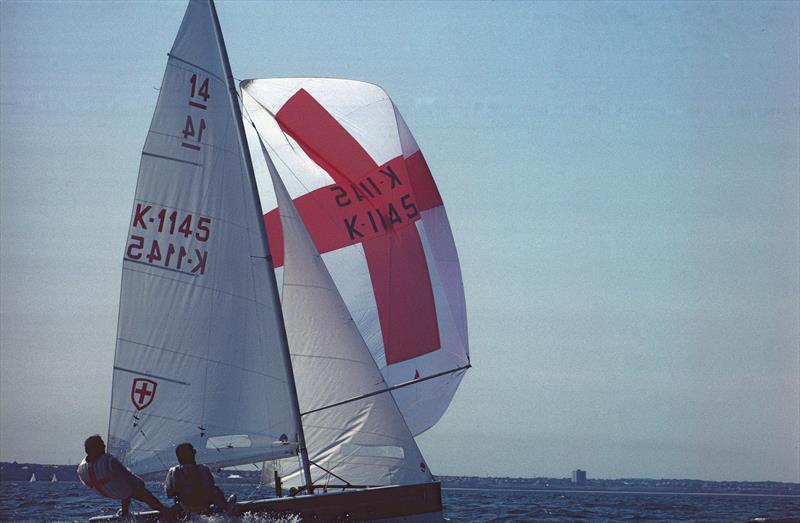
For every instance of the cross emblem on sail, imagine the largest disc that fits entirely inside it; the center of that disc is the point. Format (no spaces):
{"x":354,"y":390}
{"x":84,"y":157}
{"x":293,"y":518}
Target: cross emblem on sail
{"x":143,"y":392}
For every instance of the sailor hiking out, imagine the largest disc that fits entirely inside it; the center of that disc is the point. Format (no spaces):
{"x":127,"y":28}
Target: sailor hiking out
{"x":104,"y":474}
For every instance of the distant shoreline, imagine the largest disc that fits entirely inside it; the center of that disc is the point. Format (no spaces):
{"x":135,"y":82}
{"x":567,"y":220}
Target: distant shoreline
{"x":23,"y":471}
{"x":661,"y":492}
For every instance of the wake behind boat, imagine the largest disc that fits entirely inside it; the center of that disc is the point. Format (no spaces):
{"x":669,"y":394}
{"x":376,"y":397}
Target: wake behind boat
{"x":325,"y":332}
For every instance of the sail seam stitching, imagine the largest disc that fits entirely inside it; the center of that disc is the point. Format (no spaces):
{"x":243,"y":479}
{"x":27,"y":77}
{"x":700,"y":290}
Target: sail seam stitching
{"x":212,"y":289}
{"x":210,"y":360}
{"x":170,"y":158}
{"x":195,"y":66}
{"x":151,"y":375}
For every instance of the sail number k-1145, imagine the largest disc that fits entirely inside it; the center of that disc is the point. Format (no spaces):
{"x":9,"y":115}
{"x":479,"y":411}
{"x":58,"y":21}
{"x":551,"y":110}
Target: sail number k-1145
{"x":164,"y":237}
{"x":384,"y":207}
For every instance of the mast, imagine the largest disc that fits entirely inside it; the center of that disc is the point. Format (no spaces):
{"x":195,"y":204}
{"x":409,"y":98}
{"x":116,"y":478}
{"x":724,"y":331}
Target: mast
{"x":233,"y":98}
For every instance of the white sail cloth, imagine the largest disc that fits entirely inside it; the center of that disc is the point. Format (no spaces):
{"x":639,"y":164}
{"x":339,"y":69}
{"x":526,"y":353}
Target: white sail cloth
{"x":363,"y":442}
{"x":364,"y":191}
{"x":198,"y":354}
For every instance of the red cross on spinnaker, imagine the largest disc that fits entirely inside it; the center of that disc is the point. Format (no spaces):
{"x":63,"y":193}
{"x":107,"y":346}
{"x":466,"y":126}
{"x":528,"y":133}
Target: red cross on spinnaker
{"x":376,"y":206}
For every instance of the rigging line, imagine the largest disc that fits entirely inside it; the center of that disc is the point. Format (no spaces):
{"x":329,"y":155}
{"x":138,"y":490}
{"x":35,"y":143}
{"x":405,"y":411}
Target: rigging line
{"x":388,"y":389}
{"x":260,"y":483}
{"x":158,"y":456}
{"x":260,"y":477}
{"x":329,"y":472}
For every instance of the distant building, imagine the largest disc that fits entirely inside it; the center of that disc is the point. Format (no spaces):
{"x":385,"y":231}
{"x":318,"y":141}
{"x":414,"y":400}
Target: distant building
{"x":578,"y":477}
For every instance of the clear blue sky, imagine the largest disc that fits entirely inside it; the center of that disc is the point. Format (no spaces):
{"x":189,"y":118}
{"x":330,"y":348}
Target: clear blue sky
{"x":621,"y":178}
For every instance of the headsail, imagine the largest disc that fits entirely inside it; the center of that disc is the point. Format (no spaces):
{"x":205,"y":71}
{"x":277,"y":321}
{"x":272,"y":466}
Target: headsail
{"x":363,"y":442}
{"x":364,"y":191}
{"x":200,"y":356}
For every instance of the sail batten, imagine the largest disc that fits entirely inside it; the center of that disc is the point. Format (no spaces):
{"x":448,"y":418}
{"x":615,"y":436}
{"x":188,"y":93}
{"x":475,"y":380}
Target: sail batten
{"x":195,"y":66}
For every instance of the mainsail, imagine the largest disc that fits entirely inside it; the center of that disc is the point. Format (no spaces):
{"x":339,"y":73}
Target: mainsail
{"x":200,"y":353}
{"x":365,"y":193}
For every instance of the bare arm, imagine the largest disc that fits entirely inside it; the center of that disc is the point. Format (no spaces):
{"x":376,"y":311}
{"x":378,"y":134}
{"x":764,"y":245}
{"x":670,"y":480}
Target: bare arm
{"x":210,"y":477}
{"x":169,"y":484}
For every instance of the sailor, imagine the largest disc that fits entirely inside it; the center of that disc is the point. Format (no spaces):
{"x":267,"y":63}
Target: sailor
{"x":192,"y":485}
{"x":103,"y":473}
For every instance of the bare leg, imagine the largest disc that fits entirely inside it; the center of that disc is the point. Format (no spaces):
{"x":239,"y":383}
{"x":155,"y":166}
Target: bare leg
{"x":218,"y":498}
{"x":140,"y":493}
{"x":126,"y":508}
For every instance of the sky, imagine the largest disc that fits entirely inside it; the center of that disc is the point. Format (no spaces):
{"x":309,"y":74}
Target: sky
{"x":622,"y":181}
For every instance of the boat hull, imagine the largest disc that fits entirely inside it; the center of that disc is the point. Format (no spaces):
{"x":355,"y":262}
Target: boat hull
{"x":396,"y":503}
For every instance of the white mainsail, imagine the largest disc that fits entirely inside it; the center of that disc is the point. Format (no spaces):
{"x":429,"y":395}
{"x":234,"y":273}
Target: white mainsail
{"x":363,"y":442}
{"x":200,"y":354}
{"x":365,"y":193}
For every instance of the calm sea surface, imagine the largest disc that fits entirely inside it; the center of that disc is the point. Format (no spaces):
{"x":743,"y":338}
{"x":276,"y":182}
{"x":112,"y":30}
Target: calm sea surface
{"x":45,"y":501}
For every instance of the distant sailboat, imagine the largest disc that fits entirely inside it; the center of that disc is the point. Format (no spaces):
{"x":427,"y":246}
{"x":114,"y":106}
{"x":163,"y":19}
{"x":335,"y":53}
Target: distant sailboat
{"x":33,"y":478}
{"x":54,"y":479}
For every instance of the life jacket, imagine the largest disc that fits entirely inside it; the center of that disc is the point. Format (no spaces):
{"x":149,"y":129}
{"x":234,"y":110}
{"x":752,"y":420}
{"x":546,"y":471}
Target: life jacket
{"x":194,"y":487}
{"x":111,"y":482}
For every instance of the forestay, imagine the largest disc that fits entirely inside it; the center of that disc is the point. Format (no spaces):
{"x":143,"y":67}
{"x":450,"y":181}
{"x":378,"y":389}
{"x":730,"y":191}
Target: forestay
{"x":363,"y":442}
{"x":199,"y":355}
{"x":364,"y":191}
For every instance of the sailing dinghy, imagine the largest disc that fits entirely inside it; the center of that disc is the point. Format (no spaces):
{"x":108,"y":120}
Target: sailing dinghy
{"x":306,"y":306}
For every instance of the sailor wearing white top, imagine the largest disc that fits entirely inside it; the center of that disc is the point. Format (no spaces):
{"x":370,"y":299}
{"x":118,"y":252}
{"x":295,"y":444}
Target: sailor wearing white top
{"x":108,"y":477}
{"x":104,"y":474}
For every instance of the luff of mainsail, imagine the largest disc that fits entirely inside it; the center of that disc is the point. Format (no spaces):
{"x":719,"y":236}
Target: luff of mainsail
{"x":201,"y":352}
{"x":278,"y":317}
{"x":363,"y":442}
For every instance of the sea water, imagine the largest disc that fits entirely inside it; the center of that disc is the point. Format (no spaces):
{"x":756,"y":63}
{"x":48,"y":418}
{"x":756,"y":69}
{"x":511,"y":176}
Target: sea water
{"x":71,"y":501}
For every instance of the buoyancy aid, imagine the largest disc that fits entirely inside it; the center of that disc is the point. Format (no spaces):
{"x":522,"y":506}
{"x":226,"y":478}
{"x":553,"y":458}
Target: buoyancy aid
{"x":193,"y":485}
{"x":107,"y":478}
